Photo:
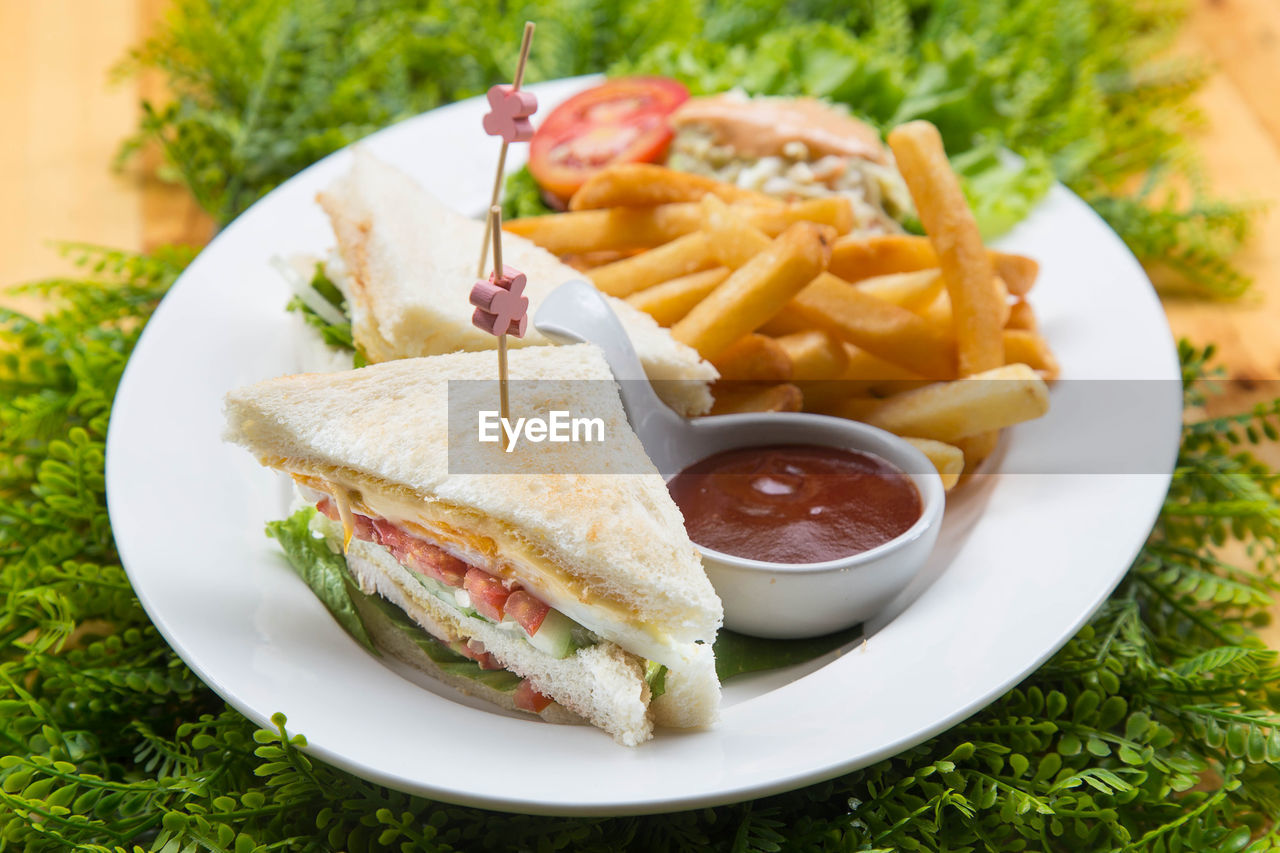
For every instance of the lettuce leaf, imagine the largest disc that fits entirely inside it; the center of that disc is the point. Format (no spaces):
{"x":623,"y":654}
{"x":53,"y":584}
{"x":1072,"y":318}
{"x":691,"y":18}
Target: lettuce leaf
{"x":655,"y":675}
{"x":521,"y":196}
{"x":322,"y":570}
{"x":335,"y":335}
{"x":1002,"y":189}
{"x":326,"y":573}
{"x":439,"y":652}
{"x":738,"y":654}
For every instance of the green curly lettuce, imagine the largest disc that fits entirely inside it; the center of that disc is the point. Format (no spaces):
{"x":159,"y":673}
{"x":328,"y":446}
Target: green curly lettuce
{"x":521,"y":196}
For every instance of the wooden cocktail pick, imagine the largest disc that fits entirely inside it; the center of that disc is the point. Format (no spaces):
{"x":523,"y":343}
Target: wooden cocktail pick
{"x":501,"y":309}
{"x":508,"y":117}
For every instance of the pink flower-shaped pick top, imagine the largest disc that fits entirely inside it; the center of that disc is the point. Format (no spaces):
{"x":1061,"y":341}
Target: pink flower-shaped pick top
{"x":501,"y":306}
{"x":510,"y":111}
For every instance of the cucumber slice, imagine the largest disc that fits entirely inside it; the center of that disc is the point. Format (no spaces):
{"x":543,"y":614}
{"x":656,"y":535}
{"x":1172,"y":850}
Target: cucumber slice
{"x":555,"y":635}
{"x":456,"y":598}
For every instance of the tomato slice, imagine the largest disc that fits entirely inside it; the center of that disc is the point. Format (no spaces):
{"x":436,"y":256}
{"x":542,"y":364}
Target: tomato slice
{"x":475,"y":650}
{"x":363,"y":526}
{"x":488,"y":593}
{"x":526,"y":610}
{"x":619,"y":121}
{"x":527,"y":698}
{"x":420,"y":555}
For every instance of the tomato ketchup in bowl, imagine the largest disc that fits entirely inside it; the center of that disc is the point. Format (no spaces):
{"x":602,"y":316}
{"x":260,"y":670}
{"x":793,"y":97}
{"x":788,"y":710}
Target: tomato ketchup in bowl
{"x":795,"y":503}
{"x":781,"y":569}
{"x":777,"y":574}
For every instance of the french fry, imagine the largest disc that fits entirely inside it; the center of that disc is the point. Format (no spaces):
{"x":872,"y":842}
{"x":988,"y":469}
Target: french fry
{"x":892,"y":333}
{"x":856,"y":408}
{"x":863,"y":366}
{"x":950,"y":411}
{"x":754,"y":358}
{"x":1021,"y":316}
{"x":614,"y":229}
{"x":946,"y":458}
{"x":739,"y":233}
{"x":734,"y":240}
{"x":756,"y":291}
{"x":864,"y":376}
{"x":835,"y":211}
{"x":814,"y":355}
{"x":938,"y":312}
{"x":590,"y":261}
{"x":644,"y":184}
{"x":625,"y":228}
{"x":856,"y":256}
{"x":1026,"y":347}
{"x":910,"y":290}
{"x":733,"y":398}
{"x":966,"y":266}
{"x":835,"y":306}
{"x":1018,"y":271}
{"x":682,"y":256}
{"x":670,"y":301}
{"x":787,"y":321}
{"x":976,"y":449}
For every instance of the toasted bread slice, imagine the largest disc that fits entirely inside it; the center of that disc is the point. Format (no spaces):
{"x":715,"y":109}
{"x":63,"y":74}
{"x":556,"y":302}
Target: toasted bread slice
{"x":412,"y":263}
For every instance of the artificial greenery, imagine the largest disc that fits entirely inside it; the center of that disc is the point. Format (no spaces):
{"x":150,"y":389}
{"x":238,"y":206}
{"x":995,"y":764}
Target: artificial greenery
{"x":1157,"y":727}
{"x":1081,"y":90}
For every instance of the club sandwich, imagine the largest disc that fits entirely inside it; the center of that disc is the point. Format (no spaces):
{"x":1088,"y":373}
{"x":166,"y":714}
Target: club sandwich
{"x":581,"y":584}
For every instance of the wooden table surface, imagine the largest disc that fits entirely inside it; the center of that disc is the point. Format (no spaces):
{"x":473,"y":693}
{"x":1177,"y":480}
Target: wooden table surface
{"x":62,"y":123}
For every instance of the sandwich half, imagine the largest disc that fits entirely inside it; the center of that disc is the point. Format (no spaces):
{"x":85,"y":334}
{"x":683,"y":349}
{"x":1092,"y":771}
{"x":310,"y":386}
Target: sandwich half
{"x":565,"y":565}
{"x":408,"y":264}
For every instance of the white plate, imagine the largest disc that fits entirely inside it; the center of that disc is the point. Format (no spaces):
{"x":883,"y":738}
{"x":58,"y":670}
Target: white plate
{"x":1022,"y":562}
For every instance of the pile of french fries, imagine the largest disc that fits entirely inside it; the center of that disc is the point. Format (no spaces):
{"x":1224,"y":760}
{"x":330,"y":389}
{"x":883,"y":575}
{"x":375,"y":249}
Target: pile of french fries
{"x":799,"y":312}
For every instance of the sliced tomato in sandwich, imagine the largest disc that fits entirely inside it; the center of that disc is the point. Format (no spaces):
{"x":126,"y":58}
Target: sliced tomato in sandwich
{"x":488,"y":593}
{"x":528,"y":611}
{"x":527,"y":698}
{"x":619,"y":121}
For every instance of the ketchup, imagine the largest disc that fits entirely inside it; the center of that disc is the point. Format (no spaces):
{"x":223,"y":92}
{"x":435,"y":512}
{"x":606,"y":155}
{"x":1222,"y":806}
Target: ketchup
{"x":795,"y":503}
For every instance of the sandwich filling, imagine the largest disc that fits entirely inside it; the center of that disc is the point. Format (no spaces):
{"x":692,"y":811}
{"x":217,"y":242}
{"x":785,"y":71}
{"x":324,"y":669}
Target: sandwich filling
{"x":598,"y":683}
{"x":470,"y":589}
{"x":477,"y":594}
{"x":791,"y":148}
{"x":505,"y":563}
